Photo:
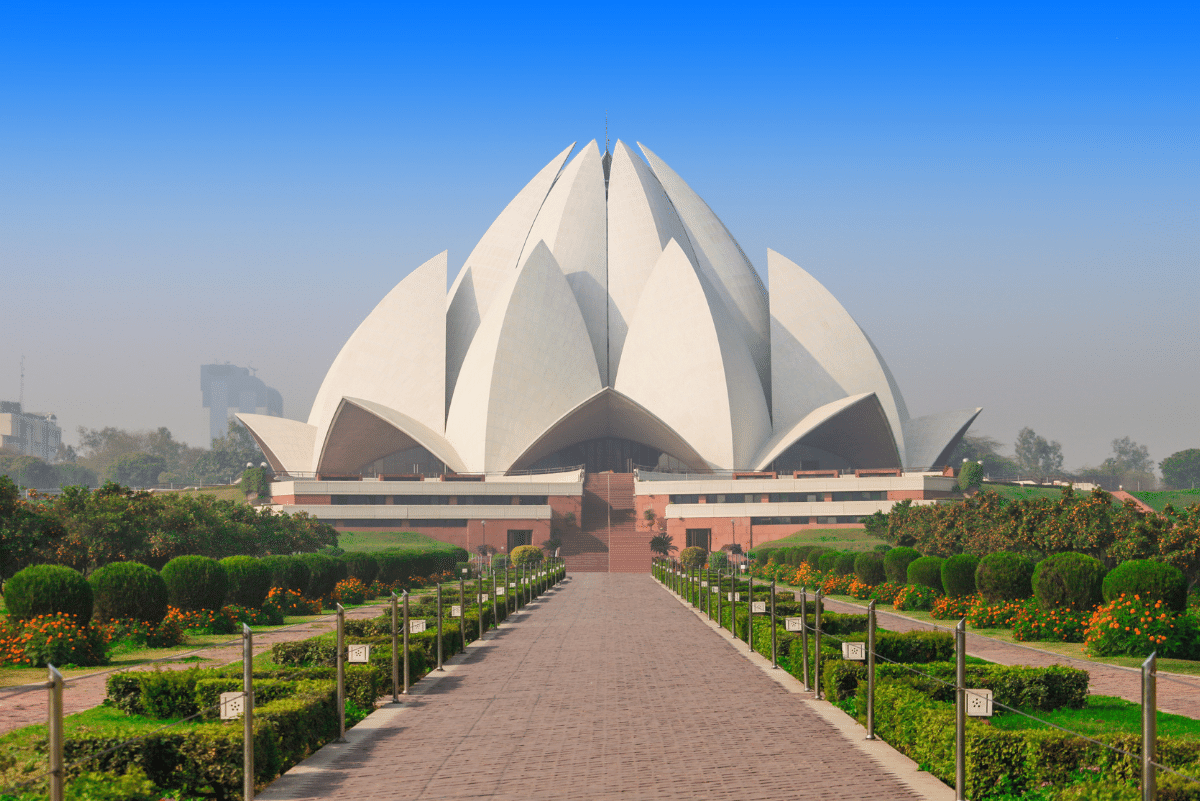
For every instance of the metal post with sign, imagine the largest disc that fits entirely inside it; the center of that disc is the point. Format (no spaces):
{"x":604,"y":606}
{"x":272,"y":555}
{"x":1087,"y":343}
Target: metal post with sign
{"x":479,"y":603}
{"x":774,"y":640}
{"x":960,"y":710}
{"x":720,"y":616}
{"x":750,"y":613}
{"x":395,"y":648}
{"x":439,"y":625}
{"x":341,"y":672}
{"x":1149,"y":726}
{"x":804,"y":635}
{"x":55,"y":733}
{"x":462,"y":615}
{"x":871,"y":670}
{"x":817,"y":649}
{"x":495,"y":604}
{"x":248,"y":714}
{"x":406,"y":642}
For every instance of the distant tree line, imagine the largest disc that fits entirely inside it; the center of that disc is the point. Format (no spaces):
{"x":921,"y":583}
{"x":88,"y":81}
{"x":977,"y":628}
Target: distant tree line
{"x":135,"y":458}
{"x":85,"y":529}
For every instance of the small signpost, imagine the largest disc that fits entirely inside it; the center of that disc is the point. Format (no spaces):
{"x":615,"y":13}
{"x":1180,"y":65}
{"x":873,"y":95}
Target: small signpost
{"x":358,"y":654}
{"x":793,"y":624}
{"x":703,"y":583}
{"x":232,"y":705}
{"x":455,"y":610}
{"x":465,"y":570}
{"x":735,"y":597}
{"x":484,"y":598}
{"x":979,"y":703}
{"x":715,"y":589}
{"x":415,"y":627}
{"x":499,"y":593}
{"x":758,"y":607}
{"x":854,"y":651}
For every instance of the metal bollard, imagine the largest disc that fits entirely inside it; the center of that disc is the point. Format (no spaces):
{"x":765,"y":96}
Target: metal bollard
{"x":55,"y":738}
{"x":871,"y":670}
{"x":439,"y":625}
{"x":479,"y":602}
{"x":462,"y":614}
{"x":495,"y":603}
{"x":248,"y":715}
{"x":774,"y":639}
{"x":960,"y":710}
{"x":341,"y":673}
{"x":720,"y":592}
{"x":1149,"y":726}
{"x":395,"y":647}
{"x":406,"y":627}
{"x":750,"y":613}
{"x":817,"y":649}
{"x":804,"y":635}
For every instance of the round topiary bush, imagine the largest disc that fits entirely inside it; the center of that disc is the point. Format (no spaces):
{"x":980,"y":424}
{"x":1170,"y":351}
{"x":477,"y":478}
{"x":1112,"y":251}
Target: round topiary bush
{"x":288,"y":572}
{"x":324,"y":572}
{"x":845,"y":563}
{"x":882,"y":547}
{"x":48,"y":590}
{"x":364,"y":567}
{"x":926,"y":571}
{"x":128,"y":591}
{"x":249,"y":581}
{"x":813,"y":557}
{"x":895,"y":563}
{"x":195,"y":582}
{"x":1147,"y":579}
{"x":693,"y":557}
{"x":869,"y":568}
{"x":958,"y":575}
{"x":828,"y":561}
{"x":528,"y":555}
{"x":1072,"y":580}
{"x":1004,"y":576}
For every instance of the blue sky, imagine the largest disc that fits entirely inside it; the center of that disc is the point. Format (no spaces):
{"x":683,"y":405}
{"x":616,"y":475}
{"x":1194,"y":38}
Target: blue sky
{"x":1005,"y":197}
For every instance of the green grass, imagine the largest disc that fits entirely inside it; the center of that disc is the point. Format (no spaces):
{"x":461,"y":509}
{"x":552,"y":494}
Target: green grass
{"x":1104,"y":714}
{"x":1177,"y":498}
{"x":225,"y":493}
{"x":842,"y":539}
{"x":1023,"y":493}
{"x":371,"y":541}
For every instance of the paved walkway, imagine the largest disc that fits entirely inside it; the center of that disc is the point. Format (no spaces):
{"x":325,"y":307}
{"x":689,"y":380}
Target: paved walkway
{"x":24,"y":706}
{"x":1177,"y":693}
{"x":607,"y":687}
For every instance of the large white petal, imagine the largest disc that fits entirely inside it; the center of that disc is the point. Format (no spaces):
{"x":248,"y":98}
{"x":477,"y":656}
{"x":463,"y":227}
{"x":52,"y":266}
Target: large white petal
{"x":287,"y":444}
{"x":854,"y":428}
{"x":930,"y":440}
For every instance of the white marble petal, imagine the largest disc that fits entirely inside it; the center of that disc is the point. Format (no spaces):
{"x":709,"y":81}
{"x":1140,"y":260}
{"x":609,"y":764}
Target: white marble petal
{"x":573,"y":223}
{"x":686,"y":363}
{"x":531,"y":363}
{"x":490,"y":265}
{"x":287,"y":444}
{"x":396,"y":357}
{"x":641,"y":222}
{"x":819,"y":354}
{"x":362,"y":431}
{"x":725,"y":264}
{"x":931,"y":439}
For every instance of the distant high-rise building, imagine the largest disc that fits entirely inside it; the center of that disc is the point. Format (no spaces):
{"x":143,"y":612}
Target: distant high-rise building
{"x":227,"y":388}
{"x":30,"y":433}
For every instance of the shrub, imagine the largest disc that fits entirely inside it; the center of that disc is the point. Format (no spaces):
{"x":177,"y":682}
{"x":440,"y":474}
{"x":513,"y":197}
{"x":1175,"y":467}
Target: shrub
{"x":249,"y":581}
{"x":1004,"y":576}
{"x":693,"y":557}
{"x":48,"y":590}
{"x":350,"y":591}
{"x":1147,"y":579}
{"x":1041,"y":688}
{"x":499,"y":561}
{"x":57,"y":639}
{"x":128,"y":591}
{"x":952,"y":608}
{"x":915,"y":598}
{"x":195,"y":582}
{"x":845,"y":563}
{"x":958,"y":575}
{"x":868,"y":566}
{"x":970,"y":476}
{"x":813,"y":557}
{"x":363,"y":566}
{"x":827,"y":563}
{"x":527,"y":555}
{"x":718,"y":560}
{"x":287,"y":572}
{"x":994,"y":616}
{"x":1137,"y":626}
{"x":134,"y":634}
{"x":324,"y":574}
{"x":895,"y":563}
{"x":1063,"y":624}
{"x":886,"y":592}
{"x":927,"y":572}
{"x":1070,"y":579}
{"x":290,"y":602}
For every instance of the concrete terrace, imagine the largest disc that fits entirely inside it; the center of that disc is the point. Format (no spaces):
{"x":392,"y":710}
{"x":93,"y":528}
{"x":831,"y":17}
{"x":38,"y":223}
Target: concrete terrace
{"x":607,"y":687}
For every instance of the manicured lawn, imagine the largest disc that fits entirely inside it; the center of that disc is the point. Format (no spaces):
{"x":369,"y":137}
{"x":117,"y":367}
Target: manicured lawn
{"x":1104,"y":714}
{"x":231,"y":492}
{"x":1022,"y":493}
{"x":370,"y":541}
{"x":842,"y":539}
{"x":1177,"y":498}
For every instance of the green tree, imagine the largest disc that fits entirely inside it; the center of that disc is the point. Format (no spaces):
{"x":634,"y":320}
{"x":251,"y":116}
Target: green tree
{"x":1181,"y":470}
{"x":985,"y":449}
{"x":137,"y":469}
{"x":1036,"y":455}
{"x":1130,"y":457}
{"x":662,"y":545}
{"x":970,"y":476}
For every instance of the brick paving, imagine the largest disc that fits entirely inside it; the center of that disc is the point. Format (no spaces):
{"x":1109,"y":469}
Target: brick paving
{"x":1177,"y":693}
{"x":20,"y":706}
{"x":606,"y":688}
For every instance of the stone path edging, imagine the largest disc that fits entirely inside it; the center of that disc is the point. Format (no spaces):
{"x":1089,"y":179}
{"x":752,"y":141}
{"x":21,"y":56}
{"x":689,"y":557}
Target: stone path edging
{"x":885,"y":756}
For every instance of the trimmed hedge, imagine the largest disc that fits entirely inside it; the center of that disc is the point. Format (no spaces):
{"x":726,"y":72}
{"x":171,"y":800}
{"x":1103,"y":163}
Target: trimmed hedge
{"x":195,"y":582}
{"x":896,"y":561}
{"x":1147,"y":579}
{"x":692,"y":558}
{"x":1041,"y":688}
{"x":527,"y":555}
{"x":1004,"y":576}
{"x":128,"y":591}
{"x":828,"y":561}
{"x":813,"y":557}
{"x":958,"y":575}
{"x":288,"y":572}
{"x":249,"y":581}
{"x":324,"y":572}
{"x":926,"y":571}
{"x":48,"y":590}
{"x":1069,"y":579}
{"x":845,"y":563}
{"x":868,"y":567}
{"x":361,"y":566}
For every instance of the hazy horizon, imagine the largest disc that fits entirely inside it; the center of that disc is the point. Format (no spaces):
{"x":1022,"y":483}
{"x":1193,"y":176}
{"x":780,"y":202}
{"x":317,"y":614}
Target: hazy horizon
{"x":1006,"y":199}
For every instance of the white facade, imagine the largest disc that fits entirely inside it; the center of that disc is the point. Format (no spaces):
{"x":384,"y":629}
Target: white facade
{"x":608,"y":302}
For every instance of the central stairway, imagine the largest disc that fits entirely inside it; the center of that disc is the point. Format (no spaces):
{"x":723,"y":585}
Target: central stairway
{"x":608,"y":539}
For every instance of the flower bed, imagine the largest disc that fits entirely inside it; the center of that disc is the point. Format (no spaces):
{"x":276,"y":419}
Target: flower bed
{"x":1134,"y":626}
{"x":1033,"y":623}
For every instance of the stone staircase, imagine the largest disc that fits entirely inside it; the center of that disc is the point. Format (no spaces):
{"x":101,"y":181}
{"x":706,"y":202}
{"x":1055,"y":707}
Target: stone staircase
{"x":608,"y":539}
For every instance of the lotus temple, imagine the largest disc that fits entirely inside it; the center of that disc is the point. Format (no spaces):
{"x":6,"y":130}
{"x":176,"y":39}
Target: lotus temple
{"x":606,"y":366}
